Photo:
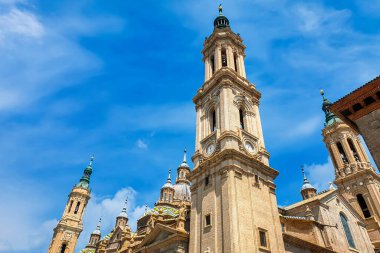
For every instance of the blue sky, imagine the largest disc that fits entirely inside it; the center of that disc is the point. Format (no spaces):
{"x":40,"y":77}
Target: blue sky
{"x":116,"y":79}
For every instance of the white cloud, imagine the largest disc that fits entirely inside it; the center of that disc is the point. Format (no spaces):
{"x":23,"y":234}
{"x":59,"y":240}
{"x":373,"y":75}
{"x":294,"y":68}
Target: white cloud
{"x":141,"y":144}
{"x":304,"y":128}
{"x":21,"y":23}
{"x":20,"y":216}
{"x":108,"y":208}
{"x":38,"y":52}
{"x":320,"y":175}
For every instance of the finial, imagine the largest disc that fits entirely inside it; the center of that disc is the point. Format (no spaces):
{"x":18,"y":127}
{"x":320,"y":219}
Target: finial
{"x":99,"y":223}
{"x":220,"y":9}
{"x":146,"y":208}
{"x":322,"y":94}
{"x":184,"y":156}
{"x":303,"y":173}
{"x":91,"y":160}
{"x":169,"y":179}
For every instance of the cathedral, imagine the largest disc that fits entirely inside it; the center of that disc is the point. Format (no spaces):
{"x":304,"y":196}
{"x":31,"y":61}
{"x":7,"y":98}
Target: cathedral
{"x":227,"y":202}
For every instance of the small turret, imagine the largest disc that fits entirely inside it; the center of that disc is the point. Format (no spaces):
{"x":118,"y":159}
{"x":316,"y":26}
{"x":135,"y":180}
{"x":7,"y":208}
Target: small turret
{"x":85,"y":180}
{"x":95,"y":236}
{"x":182,"y":184}
{"x":122,"y":218}
{"x":167,"y":191}
{"x":307,"y":190}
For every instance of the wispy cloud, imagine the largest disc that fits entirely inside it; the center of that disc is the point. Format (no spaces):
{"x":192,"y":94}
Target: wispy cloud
{"x":108,"y":208}
{"x":141,"y":144}
{"x":320,"y":175}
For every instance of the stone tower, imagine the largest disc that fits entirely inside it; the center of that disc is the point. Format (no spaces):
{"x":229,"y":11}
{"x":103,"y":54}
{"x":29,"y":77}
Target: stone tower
{"x":70,"y":226}
{"x":234,"y":207}
{"x":356,"y":179}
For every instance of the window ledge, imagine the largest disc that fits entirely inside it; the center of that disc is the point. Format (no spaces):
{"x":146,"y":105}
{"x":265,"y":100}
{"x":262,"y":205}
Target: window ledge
{"x":263,"y":249}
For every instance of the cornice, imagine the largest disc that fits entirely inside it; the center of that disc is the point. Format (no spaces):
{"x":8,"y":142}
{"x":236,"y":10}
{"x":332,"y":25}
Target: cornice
{"x":226,"y":77}
{"x":218,"y":35}
{"x":232,"y":154}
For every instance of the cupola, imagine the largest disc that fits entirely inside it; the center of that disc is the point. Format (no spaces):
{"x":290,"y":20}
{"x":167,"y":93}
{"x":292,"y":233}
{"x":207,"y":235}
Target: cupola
{"x":221,"y":21}
{"x":307,"y":190}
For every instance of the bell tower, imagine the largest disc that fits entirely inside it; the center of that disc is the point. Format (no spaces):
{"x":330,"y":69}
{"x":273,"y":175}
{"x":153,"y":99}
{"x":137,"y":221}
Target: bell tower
{"x":70,"y":226}
{"x":356,"y":179}
{"x":234,"y":207}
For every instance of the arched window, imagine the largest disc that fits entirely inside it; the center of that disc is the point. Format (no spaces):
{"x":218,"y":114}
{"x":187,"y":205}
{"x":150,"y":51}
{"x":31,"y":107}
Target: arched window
{"x":165,"y":196}
{"x":363,"y":206}
{"x":224,"y":57}
{"x":241,"y":116}
{"x":77,"y":208}
{"x":63,"y":248}
{"x":212,"y":64}
{"x":182,"y":174}
{"x":353,"y":150}
{"x":347,"y":230}
{"x":71,"y":205}
{"x":341,"y":152}
{"x":213,"y":121}
{"x":235,"y":61}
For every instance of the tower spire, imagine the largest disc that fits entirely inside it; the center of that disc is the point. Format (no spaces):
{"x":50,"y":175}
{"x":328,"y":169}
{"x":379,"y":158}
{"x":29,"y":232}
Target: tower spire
{"x":184,"y":156}
{"x":305,"y":181}
{"x":307,"y":189}
{"x":169,"y":179}
{"x":330,"y":117}
{"x":85,"y":180}
{"x":97,"y":230}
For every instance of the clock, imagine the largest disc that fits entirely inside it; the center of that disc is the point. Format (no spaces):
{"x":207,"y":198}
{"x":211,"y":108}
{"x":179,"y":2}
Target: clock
{"x":249,"y":147}
{"x":210,"y":149}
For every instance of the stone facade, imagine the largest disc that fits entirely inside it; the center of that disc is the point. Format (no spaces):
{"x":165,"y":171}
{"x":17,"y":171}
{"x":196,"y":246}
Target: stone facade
{"x":227,"y":202}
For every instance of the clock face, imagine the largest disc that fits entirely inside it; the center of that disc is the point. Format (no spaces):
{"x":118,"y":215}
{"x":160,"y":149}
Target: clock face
{"x":249,"y":147}
{"x":210,"y":149}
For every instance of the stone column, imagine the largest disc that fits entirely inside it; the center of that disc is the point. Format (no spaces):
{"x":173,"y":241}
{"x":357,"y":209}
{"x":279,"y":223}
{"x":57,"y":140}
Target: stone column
{"x":207,"y":68}
{"x":336,"y":154}
{"x":347,"y":150}
{"x":361,"y":152}
{"x":242,"y":67}
{"x":258,"y":126}
{"x":198,"y":131}
{"x":218,"y":58}
{"x":230,"y":58}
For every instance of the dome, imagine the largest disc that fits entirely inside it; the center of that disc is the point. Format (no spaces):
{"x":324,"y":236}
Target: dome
{"x":221,"y":21}
{"x":122,"y":214}
{"x":184,"y":162}
{"x":182,"y":191}
{"x":167,"y":185}
{"x":184,"y":165}
{"x":307,"y":186}
{"x":96,"y":232}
